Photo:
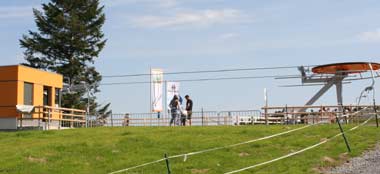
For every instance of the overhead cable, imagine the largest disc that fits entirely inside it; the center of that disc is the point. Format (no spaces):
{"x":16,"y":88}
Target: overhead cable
{"x":206,"y":71}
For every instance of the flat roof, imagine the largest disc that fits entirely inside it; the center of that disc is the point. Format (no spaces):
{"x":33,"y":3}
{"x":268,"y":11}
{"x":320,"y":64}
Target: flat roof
{"x":24,"y":66}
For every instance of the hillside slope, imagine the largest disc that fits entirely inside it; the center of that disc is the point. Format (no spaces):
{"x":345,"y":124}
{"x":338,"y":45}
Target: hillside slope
{"x":104,"y":150}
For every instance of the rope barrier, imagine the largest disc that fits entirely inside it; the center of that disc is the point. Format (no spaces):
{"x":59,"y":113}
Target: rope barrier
{"x":298,"y":152}
{"x":186,"y":155}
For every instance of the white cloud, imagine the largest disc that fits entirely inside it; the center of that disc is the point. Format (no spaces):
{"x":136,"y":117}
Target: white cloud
{"x":15,"y":12}
{"x":197,"y":18}
{"x":370,"y":36}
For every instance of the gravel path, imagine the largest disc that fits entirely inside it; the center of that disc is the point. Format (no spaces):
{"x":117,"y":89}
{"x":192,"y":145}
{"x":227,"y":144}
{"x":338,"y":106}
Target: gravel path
{"x":368,"y":163}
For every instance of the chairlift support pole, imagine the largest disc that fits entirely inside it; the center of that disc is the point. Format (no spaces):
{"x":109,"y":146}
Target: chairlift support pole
{"x":336,"y":80}
{"x":339,"y":72}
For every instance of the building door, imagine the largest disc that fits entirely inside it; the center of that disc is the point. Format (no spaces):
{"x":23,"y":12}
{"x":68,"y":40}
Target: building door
{"x":47,"y":96}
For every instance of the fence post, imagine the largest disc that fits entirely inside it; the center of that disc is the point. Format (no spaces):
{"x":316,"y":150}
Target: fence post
{"x":218,"y":115}
{"x":71,"y":122}
{"x":202,"y":116}
{"x":111,"y":119}
{"x":237,"y":120}
{"x":375,"y":109}
{"x":158,"y":118}
{"x":344,"y":136}
{"x":59,"y":119}
{"x":320,"y":117}
{"x":167,"y":163}
{"x":229,"y":117}
{"x":351,"y":118}
{"x":48,"y":119}
{"x":266,"y":115}
{"x":39,"y":119}
{"x":21,"y":121}
{"x":286,"y":114}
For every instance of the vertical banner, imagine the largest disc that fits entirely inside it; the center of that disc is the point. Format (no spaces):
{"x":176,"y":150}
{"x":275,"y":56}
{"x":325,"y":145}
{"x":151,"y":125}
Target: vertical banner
{"x":156,"y":89}
{"x":172,"y":88}
{"x":266,"y":97}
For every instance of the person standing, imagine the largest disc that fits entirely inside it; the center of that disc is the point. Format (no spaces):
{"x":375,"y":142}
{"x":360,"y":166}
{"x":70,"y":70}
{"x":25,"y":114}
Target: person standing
{"x":174,"y":109}
{"x":189,"y":108}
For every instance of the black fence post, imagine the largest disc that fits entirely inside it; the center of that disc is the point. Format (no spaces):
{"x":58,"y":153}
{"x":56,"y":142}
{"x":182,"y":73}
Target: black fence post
{"x":111,"y":119}
{"x":375,"y":109}
{"x":202,"y":116}
{"x":344,"y":136}
{"x":286,"y":114}
{"x":167,"y":163}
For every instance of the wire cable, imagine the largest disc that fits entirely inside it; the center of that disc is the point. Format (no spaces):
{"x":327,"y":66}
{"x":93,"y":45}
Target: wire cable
{"x":201,"y":79}
{"x":208,"y":71}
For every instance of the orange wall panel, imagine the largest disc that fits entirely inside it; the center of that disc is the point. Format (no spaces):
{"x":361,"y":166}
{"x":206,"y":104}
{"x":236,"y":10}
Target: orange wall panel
{"x":8,"y":112}
{"x":8,"y":73}
{"x":8,"y":93}
{"x":38,"y":95}
{"x":40,"y":77}
{"x":20,"y":90}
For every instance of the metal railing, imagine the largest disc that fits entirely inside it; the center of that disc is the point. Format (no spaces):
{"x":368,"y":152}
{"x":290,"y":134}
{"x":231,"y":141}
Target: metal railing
{"x":270,"y":115}
{"x":314,"y":114}
{"x":46,"y":118}
{"x":198,"y":118}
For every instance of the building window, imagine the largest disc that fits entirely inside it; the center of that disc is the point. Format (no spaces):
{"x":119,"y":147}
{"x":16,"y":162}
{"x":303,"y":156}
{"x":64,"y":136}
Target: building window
{"x":57,"y":97}
{"x":28,"y":93}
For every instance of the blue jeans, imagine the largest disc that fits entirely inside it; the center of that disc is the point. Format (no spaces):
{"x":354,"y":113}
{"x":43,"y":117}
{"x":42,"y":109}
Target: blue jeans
{"x":175,"y":114}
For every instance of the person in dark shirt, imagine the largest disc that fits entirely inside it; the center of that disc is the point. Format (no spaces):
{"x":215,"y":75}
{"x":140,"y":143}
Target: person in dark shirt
{"x":189,"y":108}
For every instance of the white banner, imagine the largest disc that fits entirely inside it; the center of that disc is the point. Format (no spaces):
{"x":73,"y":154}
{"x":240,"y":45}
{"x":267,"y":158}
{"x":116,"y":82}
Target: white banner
{"x":172,"y":88}
{"x":156,"y":89}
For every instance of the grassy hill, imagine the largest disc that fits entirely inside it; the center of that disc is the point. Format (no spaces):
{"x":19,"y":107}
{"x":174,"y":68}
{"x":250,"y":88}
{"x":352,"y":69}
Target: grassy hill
{"x":104,"y":150}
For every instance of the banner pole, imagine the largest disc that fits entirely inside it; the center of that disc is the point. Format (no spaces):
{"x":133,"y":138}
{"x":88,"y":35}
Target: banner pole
{"x":150,"y":90}
{"x":165,"y":100}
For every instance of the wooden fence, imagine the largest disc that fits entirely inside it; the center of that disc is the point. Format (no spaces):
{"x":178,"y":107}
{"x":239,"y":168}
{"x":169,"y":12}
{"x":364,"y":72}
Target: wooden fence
{"x":46,"y":118}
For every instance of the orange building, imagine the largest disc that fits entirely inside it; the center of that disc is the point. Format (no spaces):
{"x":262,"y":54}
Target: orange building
{"x":22,"y":85}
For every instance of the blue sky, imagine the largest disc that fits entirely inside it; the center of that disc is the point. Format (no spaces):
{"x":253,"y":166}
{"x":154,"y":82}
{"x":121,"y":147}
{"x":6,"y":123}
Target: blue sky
{"x":188,"y":35}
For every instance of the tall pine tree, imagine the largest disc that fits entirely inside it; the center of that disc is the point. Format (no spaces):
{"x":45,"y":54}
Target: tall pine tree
{"x":68,"y":40}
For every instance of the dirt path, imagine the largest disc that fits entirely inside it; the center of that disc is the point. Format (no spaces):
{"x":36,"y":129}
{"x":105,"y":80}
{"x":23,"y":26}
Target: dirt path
{"x":368,"y":163}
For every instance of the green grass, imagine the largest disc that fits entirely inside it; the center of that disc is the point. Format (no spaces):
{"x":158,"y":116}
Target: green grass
{"x":103,"y":150}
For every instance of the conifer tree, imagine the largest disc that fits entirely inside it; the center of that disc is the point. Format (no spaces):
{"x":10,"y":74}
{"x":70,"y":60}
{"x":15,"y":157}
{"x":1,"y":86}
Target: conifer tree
{"x":68,"y":41}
